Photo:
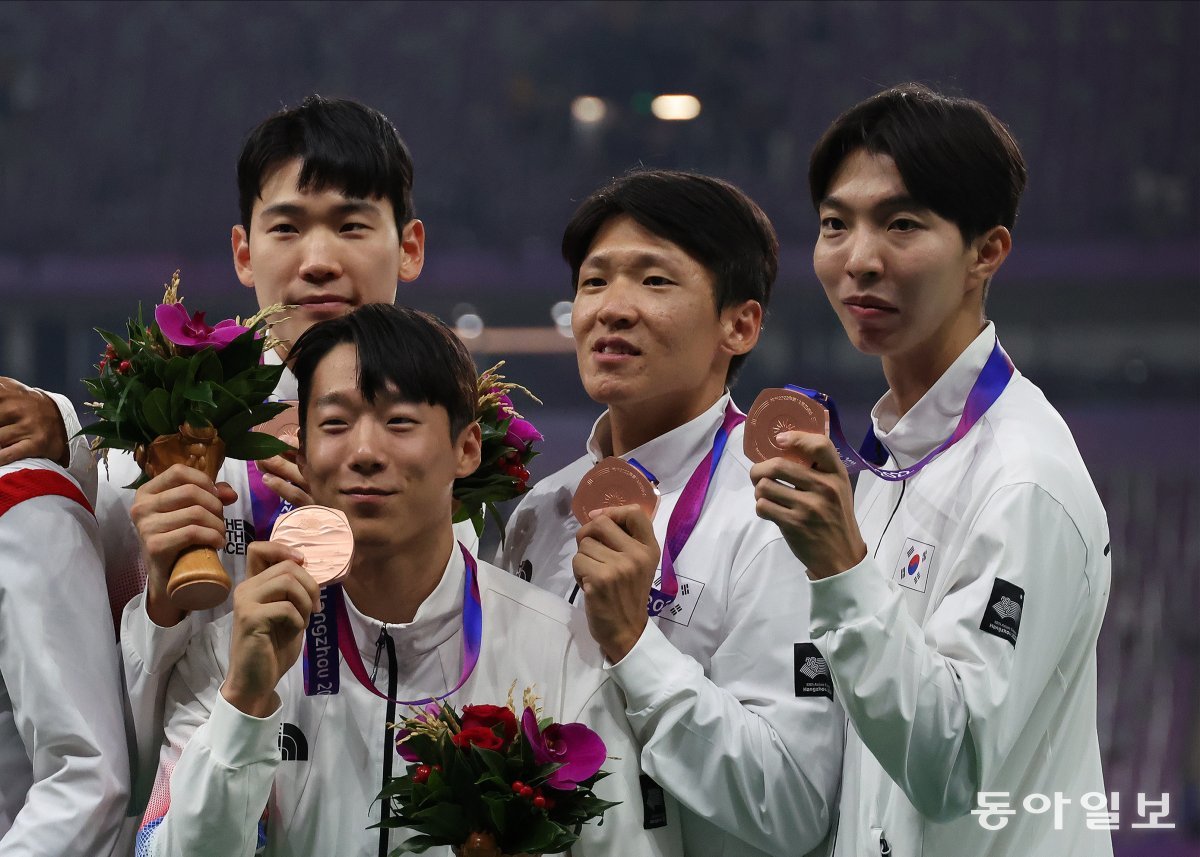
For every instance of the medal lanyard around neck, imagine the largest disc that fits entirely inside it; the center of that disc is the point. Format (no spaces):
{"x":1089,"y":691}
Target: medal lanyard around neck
{"x":266,"y":506}
{"x":687,"y":512}
{"x":992,"y":380}
{"x":327,"y":635}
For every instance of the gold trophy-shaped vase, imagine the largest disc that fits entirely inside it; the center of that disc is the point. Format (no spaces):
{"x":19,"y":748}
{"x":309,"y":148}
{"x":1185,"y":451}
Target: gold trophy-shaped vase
{"x":198,"y":580}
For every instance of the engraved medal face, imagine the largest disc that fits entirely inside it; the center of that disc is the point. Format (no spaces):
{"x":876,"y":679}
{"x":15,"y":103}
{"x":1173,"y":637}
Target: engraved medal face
{"x":777,"y":410}
{"x":323,"y":536}
{"x":285,"y":425}
{"x":613,"y":482}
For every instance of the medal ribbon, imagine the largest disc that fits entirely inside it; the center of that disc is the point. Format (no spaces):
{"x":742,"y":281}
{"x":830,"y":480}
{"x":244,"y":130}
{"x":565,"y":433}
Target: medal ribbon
{"x":993,"y":378}
{"x":341,"y":637}
{"x":687,"y":512}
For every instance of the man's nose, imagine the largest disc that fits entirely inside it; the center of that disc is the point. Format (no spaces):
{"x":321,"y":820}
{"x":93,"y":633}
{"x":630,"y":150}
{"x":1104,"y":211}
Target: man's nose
{"x":320,"y":262}
{"x":618,"y":304}
{"x":864,"y":259}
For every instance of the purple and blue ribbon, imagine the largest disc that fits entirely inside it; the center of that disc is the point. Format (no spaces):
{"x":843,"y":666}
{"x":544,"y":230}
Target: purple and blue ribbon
{"x":687,"y":512}
{"x":337,"y":635}
{"x":993,"y":378}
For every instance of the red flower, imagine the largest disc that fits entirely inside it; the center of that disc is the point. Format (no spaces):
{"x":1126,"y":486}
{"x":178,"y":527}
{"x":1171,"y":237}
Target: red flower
{"x":480,"y":736}
{"x":489,"y":716}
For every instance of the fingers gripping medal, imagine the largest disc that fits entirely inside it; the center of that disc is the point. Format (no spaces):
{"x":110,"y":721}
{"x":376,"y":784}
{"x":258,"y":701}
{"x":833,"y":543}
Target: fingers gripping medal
{"x":323,"y":536}
{"x":775,"y":411}
{"x":613,"y":482}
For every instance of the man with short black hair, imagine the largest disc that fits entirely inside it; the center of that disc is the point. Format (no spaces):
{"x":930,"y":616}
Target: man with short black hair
{"x":958,"y":591}
{"x":672,"y":272}
{"x":388,"y":399}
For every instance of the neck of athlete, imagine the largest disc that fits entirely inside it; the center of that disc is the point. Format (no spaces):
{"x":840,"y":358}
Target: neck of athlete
{"x":388,"y":582}
{"x":632,"y":424}
{"x":911,"y":374}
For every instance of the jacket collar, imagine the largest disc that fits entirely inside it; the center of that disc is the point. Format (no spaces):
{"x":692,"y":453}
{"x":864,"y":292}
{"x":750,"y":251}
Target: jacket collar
{"x":933,"y":418}
{"x":671,"y":457}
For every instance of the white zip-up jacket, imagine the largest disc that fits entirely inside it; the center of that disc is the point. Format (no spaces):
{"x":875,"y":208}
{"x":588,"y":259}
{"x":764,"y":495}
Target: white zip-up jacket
{"x":316,"y":765}
{"x":728,"y":720}
{"x":64,"y":763}
{"x":963,"y":646}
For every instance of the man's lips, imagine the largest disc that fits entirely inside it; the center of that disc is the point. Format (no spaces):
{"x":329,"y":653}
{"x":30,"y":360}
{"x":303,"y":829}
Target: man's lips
{"x":367,"y":492}
{"x":869,"y":308}
{"x":319,"y":303}
{"x":609,"y":349}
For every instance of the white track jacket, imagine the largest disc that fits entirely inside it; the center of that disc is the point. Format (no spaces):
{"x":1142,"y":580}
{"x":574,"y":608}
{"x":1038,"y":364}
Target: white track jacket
{"x":963,"y":646}
{"x":728,"y":721}
{"x":316,"y":765}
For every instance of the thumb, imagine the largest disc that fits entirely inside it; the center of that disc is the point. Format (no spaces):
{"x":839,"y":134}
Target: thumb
{"x":225,"y":493}
{"x":633,"y":520}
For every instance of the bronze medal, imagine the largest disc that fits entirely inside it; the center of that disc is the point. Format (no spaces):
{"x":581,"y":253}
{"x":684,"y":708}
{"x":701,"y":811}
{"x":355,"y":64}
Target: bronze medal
{"x":613,"y":482}
{"x":284,"y":425}
{"x":323,"y":536}
{"x":775,"y":411}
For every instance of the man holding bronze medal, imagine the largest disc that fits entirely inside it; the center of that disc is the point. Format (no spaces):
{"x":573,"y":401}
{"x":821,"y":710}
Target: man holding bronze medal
{"x":672,"y":273}
{"x":958,"y":590}
{"x":387,"y":405}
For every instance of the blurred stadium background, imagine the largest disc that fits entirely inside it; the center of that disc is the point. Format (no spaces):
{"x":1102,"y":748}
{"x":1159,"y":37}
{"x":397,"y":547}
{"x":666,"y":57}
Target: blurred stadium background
{"x":120,"y":124}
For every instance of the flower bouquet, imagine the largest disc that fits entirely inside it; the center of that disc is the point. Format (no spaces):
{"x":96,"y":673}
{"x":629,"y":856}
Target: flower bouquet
{"x":488,"y":785}
{"x":505,"y":452}
{"x":179,"y":391}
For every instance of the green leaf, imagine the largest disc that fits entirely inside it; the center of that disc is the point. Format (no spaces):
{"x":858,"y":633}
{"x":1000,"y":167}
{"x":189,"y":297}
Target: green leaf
{"x":119,"y":345}
{"x":156,"y":408}
{"x":200,"y":393}
{"x":415,"y":845}
{"x":255,"y":446}
{"x":208,"y":366}
{"x":240,"y":354}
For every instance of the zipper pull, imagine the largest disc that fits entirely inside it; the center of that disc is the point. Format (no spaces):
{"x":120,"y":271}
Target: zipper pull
{"x":378,"y":651}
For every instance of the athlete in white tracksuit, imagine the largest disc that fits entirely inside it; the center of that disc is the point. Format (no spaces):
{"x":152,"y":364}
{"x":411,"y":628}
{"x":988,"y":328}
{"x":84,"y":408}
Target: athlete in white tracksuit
{"x":957,"y":600}
{"x":726,"y":721}
{"x":64,"y":767}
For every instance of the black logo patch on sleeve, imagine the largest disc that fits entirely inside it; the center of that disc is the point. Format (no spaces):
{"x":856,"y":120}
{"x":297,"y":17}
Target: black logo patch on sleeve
{"x":525,"y":570}
{"x":654,"y":804}
{"x":812,"y":673}
{"x":1002,"y":617}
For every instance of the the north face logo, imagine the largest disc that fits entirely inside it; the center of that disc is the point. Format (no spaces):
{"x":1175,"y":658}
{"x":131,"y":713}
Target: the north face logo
{"x":814,"y":667}
{"x":293,"y":746}
{"x":1008,"y":608}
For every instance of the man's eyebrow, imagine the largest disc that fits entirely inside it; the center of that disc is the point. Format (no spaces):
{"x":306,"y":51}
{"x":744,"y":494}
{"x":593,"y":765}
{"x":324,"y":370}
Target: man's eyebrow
{"x":891,"y":203}
{"x":644,"y":259}
{"x":343,"y":399}
{"x":350,"y":206}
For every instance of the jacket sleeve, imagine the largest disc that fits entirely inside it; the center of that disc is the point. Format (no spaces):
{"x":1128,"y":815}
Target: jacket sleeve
{"x":59,"y":666}
{"x":940,"y":707}
{"x":148,"y":657}
{"x":82,"y":465}
{"x":624,"y":829}
{"x":739,"y":746}
{"x":216,"y":767}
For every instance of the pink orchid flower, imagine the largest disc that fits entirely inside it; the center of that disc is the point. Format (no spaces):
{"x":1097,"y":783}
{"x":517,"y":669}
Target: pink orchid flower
{"x":578,"y":749}
{"x":191,"y":332}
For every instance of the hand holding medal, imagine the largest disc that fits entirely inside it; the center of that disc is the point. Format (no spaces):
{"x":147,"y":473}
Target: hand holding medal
{"x":613,"y":482}
{"x":778,"y":410}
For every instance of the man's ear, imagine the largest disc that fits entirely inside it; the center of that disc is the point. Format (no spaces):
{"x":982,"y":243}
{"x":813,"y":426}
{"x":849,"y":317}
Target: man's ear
{"x":741,"y":326}
{"x":412,"y":251}
{"x":469,"y":445}
{"x":240,"y":242}
{"x":989,"y":251}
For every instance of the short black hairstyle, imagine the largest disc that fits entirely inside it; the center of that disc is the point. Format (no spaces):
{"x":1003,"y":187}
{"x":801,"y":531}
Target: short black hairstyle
{"x":407,"y":349}
{"x":711,"y":219}
{"x":953,"y":155}
{"x":342,"y":144}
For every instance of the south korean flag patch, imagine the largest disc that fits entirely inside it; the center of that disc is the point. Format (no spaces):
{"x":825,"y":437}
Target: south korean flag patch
{"x":1002,"y":617}
{"x":914,"y":565}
